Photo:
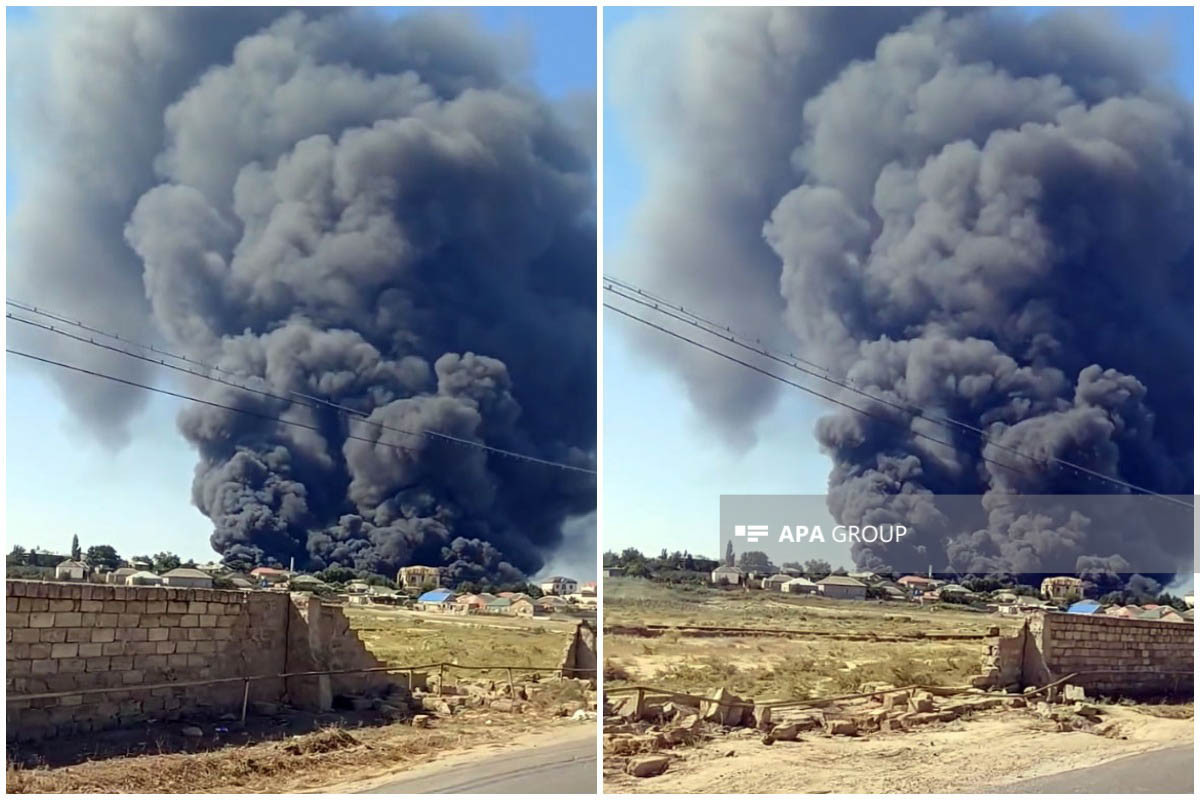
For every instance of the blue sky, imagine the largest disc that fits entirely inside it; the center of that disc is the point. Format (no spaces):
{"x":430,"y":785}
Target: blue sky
{"x":663,"y":472}
{"x":139,"y":499}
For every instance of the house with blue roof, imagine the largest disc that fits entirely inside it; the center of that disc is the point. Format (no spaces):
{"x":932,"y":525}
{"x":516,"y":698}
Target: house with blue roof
{"x":435,"y":597}
{"x":1085,"y":607}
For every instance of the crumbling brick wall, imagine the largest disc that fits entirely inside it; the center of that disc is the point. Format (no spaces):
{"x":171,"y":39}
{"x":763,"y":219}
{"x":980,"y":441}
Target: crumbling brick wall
{"x":579,"y":659}
{"x":64,"y":638}
{"x":1111,"y":655}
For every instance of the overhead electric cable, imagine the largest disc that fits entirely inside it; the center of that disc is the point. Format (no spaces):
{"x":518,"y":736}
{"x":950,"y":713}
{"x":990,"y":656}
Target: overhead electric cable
{"x":358,"y":414}
{"x":936,"y":419}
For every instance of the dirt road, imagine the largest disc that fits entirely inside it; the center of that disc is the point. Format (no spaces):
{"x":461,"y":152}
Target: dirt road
{"x":991,"y":750}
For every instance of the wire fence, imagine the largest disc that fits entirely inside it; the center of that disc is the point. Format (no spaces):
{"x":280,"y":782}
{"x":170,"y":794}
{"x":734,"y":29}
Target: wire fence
{"x":246,"y":680}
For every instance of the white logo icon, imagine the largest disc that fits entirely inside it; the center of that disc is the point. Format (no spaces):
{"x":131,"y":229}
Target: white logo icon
{"x":752,"y":533}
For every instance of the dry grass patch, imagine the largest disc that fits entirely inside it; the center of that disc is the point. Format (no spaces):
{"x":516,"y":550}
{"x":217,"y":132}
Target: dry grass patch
{"x":405,"y":639}
{"x":324,"y":757}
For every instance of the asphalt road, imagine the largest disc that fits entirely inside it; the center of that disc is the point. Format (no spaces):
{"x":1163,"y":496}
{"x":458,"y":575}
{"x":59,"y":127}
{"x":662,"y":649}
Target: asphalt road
{"x":567,"y":767}
{"x":1166,"y":771}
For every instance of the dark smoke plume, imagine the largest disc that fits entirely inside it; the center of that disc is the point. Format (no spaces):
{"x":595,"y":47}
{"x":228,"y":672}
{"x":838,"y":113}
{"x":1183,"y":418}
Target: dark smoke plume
{"x":983,"y":216}
{"x":382,"y":214}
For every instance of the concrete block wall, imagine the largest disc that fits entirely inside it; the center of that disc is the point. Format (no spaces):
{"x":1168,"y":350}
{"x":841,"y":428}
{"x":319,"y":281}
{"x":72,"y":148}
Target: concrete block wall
{"x":64,"y":637}
{"x":1113,"y":655}
{"x":579,"y":658}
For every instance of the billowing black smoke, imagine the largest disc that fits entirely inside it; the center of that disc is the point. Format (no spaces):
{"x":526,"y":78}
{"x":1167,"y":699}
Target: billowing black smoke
{"x":380,"y":214}
{"x":978,"y":215}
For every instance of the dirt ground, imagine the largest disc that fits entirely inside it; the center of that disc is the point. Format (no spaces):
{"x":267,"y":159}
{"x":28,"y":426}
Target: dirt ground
{"x":814,"y":664}
{"x":329,"y":760}
{"x":404,"y":638}
{"x":840,"y":647}
{"x":297,"y":751}
{"x":955,"y":757}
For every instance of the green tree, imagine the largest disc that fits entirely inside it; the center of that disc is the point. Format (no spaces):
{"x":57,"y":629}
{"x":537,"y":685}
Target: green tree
{"x":18,"y":556}
{"x":75,"y":551}
{"x":816,"y":569}
{"x":337,"y":574}
{"x":729,"y":553}
{"x":165,"y":562}
{"x":755,"y":561}
{"x":102,"y":555}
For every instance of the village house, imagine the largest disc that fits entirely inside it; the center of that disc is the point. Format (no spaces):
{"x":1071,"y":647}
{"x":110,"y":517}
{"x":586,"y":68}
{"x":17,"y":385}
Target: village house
{"x":306,"y":583}
{"x":498,"y":605}
{"x":551,"y":603}
{"x":117,"y":576}
{"x":437,"y":600}
{"x":614,"y":572}
{"x":358,"y":587}
{"x":775,"y":582}
{"x":842,"y":587}
{"x":559,"y":585}
{"x":522,"y":607}
{"x":269,"y":575}
{"x":71,"y":570}
{"x":1085,"y":607}
{"x":187,"y":578}
{"x":416,"y":577}
{"x":727,"y":575}
{"x":1062,"y":588}
{"x":143,"y":577}
{"x":474,"y":602}
{"x":918,"y":582}
{"x":866,"y":577}
{"x":799,"y":586}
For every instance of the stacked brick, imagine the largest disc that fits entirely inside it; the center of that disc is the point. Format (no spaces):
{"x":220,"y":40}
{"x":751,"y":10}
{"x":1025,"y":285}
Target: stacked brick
{"x":1002,"y":662}
{"x":1117,"y":656}
{"x":64,"y":637}
{"x":1109,"y":655}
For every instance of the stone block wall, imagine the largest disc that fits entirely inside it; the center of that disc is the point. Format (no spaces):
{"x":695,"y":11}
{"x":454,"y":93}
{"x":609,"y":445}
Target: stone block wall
{"x":579,"y":658}
{"x":1111,"y":655}
{"x":71,"y":637}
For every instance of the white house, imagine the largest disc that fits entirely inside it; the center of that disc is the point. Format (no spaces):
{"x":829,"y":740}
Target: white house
{"x":188,"y":578}
{"x":729,"y":575}
{"x":842,"y":587}
{"x":799,"y":586}
{"x":775,"y":582}
{"x":72,"y":571}
{"x":558,"y":585}
{"x":143,"y":578}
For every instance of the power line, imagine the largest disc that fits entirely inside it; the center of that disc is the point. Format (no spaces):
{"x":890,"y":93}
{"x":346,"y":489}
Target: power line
{"x":850,"y":407}
{"x":944,"y":420}
{"x":189,"y":398}
{"x":359,"y":415}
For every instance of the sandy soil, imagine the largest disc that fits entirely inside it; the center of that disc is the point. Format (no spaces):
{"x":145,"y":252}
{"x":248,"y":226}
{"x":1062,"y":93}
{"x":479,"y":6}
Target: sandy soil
{"x":961,"y":756}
